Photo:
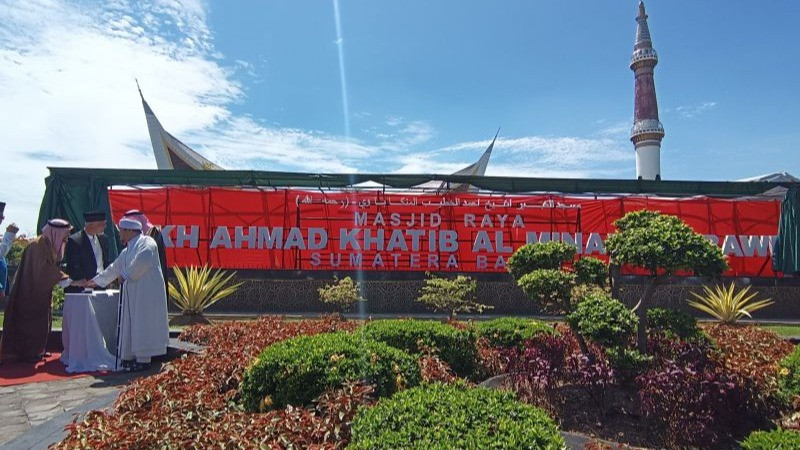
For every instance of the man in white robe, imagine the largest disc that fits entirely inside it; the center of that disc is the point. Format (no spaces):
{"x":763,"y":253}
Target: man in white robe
{"x":144,"y":331}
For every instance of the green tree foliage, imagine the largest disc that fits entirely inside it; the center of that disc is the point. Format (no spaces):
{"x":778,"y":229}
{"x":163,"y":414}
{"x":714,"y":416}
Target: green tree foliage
{"x":603,"y":320}
{"x":551,"y":289}
{"x":662,"y":245}
{"x":543,"y":272}
{"x":592,"y":271}
{"x":508,"y":332}
{"x":452,"y":295}
{"x":772,"y":440}
{"x":454,"y":346}
{"x":673,"y":323}
{"x":342,"y":293}
{"x":789,"y":375}
{"x":15,"y":253}
{"x":545,"y":255}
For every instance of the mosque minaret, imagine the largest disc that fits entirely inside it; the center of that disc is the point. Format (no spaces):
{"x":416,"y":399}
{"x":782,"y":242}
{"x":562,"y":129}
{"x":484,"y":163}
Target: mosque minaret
{"x":647,"y":131}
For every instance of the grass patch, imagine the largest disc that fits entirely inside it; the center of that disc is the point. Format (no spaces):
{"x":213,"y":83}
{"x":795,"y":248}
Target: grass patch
{"x":783,"y":330}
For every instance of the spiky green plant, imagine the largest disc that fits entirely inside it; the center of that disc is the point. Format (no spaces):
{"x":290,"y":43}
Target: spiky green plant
{"x":200,"y":287}
{"x":727,"y":305}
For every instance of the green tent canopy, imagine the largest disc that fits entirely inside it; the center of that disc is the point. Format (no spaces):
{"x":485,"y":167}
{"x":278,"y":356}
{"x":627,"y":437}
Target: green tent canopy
{"x":71,"y":191}
{"x":786,"y":255}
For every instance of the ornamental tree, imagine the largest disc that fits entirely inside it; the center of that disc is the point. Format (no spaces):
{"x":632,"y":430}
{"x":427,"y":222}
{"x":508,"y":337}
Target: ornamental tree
{"x":343,"y":293}
{"x":454,"y":296}
{"x":662,"y":245}
{"x":543,"y":272}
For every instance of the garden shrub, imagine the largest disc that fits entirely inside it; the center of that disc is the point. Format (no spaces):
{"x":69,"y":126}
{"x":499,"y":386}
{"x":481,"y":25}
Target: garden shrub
{"x":672,"y":321}
{"x":549,"y":288}
{"x":455,"y":295}
{"x":295,"y":371}
{"x":591,"y":271}
{"x":439,"y":416}
{"x":544,"y":255}
{"x":697,"y":407}
{"x":455,"y":347}
{"x":750,"y":351}
{"x":190,"y":405}
{"x":603,"y":320}
{"x":699,"y":354}
{"x":789,"y":375}
{"x":772,"y":440}
{"x":342,"y":293}
{"x":628,"y":363}
{"x":510,"y":332}
{"x":594,"y":376}
{"x":540,"y":367}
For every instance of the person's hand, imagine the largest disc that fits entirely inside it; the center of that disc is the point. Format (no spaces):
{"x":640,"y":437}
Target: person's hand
{"x":80,"y":283}
{"x":12,"y":228}
{"x":90,"y":284}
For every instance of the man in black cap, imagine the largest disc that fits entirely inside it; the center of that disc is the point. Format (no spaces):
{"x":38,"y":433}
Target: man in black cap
{"x":5,"y":246}
{"x":87,"y":250}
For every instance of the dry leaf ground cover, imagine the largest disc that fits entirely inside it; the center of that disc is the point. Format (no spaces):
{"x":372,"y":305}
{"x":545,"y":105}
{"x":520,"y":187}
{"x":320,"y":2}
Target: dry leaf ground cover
{"x":196,"y":402}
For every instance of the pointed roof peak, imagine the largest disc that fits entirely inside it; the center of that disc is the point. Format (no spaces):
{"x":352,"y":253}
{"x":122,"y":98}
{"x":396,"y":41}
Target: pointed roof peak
{"x":642,"y":30}
{"x":147,"y":109}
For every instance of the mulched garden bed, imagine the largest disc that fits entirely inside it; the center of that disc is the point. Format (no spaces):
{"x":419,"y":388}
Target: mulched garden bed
{"x":194,"y":403}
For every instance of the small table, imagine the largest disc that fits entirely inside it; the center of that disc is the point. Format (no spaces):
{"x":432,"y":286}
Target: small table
{"x":89,"y":331}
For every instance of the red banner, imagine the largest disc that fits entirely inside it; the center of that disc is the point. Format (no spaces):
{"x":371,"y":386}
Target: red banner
{"x":291,"y":229}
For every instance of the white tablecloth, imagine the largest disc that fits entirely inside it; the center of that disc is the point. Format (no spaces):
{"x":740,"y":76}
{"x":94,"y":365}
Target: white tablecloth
{"x":89,"y":331}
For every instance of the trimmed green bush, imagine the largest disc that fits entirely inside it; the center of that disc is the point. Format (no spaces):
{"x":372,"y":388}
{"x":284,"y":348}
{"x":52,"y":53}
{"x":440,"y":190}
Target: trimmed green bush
{"x":551,"y":289}
{"x":772,"y":440}
{"x":456,"y":295}
{"x":297,"y":370}
{"x":603,"y":320}
{"x":789,"y":375}
{"x":591,"y":271}
{"x":545,"y":255}
{"x":672,"y":321}
{"x":628,"y":363}
{"x":511,"y":331}
{"x":455,"y":347}
{"x":439,"y":416}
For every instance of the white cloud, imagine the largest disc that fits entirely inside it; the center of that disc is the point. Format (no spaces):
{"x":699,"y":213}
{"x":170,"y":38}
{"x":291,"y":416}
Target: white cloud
{"x":67,"y":73}
{"x":692,"y":111}
{"x":557,"y":152}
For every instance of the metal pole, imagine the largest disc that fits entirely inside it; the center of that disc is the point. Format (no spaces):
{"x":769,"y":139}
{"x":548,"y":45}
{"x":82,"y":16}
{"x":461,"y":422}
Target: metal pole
{"x":119,"y":326}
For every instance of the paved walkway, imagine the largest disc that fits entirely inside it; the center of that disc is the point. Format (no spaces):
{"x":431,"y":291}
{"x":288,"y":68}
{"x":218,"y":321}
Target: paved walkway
{"x":25,"y":406}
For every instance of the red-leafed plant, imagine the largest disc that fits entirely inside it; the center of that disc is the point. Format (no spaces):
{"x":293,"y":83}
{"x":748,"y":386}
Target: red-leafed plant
{"x":750,"y":352}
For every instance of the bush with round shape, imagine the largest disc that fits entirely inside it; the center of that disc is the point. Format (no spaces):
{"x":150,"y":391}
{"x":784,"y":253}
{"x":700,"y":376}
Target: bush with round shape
{"x":454,"y":346}
{"x":551,"y":289}
{"x":439,"y":416}
{"x":789,"y":375}
{"x":671,"y":321}
{"x":591,"y":271}
{"x":544,"y":255}
{"x":628,"y":363}
{"x":772,"y":440}
{"x":508,"y":332}
{"x":295,"y":371}
{"x":603,"y":320}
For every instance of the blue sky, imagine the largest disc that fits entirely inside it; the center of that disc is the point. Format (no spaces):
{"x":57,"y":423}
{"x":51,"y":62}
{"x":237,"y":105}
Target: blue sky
{"x":257,"y":85}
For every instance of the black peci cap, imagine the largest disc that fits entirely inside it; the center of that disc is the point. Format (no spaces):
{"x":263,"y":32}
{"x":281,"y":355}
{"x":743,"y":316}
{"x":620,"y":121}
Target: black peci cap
{"x":94,"y":216}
